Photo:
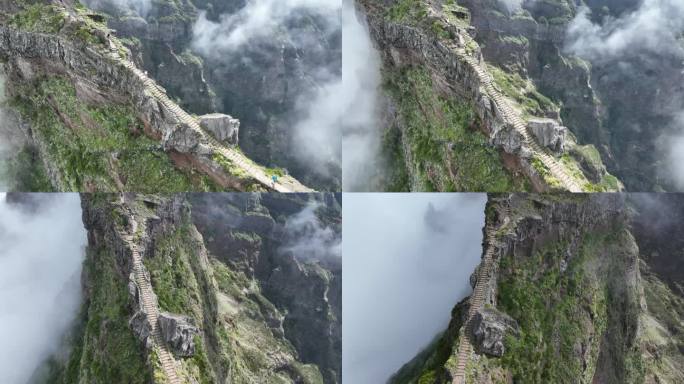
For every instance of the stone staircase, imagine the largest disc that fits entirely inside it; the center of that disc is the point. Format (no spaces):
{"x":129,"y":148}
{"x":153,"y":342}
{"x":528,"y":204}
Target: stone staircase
{"x":149,"y":305}
{"x":477,"y":298}
{"x":282,"y":185}
{"x":513,"y":118}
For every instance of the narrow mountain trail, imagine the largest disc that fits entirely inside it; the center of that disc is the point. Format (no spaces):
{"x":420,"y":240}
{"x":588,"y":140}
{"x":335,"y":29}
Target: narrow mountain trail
{"x":513,"y":117}
{"x":477,"y":299}
{"x":284,"y":184}
{"x":151,"y":308}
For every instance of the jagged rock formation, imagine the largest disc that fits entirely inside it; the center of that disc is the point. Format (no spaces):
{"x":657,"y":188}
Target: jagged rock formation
{"x":223,"y":127}
{"x":99,"y":70}
{"x":255,"y":242}
{"x":178,"y":332}
{"x":599,"y":99}
{"x":489,"y":329}
{"x":549,"y":134}
{"x":260,"y":82}
{"x":433,"y":39}
{"x":566,"y":296}
{"x":163,"y":304}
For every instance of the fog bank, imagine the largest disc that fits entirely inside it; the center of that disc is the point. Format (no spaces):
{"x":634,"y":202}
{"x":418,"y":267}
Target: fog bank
{"x":407,"y":262}
{"x":265,"y":29}
{"x":359,"y":96}
{"x":308,"y":238}
{"x":40,"y":267}
{"x":651,"y":37}
{"x":141,"y":7}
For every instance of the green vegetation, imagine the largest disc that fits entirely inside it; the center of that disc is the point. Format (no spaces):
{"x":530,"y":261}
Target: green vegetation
{"x":545,"y":173}
{"x":39,"y":18}
{"x":172,"y":277}
{"x":99,"y":147}
{"x":228,"y":165}
{"x":663,"y":329}
{"x":547,"y":306}
{"x":25,"y":172}
{"x":429,"y":365}
{"x":48,"y":18}
{"x":407,"y":10}
{"x":522,"y":91}
{"x":107,"y":351}
{"x":445,"y":151}
{"x":396,"y":178}
{"x":557,"y":308}
{"x":589,"y":156}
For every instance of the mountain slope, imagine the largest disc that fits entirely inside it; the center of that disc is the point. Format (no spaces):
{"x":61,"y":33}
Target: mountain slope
{"x":566,"y":296}
{"x":483,"y":127}
{"x":199,"y":289}
{"x":97,"y":123}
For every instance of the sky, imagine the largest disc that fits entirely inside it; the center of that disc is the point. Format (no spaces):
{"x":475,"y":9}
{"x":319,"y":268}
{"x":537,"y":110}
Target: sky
{"x":403,"y":274}
{"x":40,"y":270}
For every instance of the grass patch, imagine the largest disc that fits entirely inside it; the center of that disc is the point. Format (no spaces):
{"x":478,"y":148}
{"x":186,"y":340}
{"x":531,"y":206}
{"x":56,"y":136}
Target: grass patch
{"x":97,"y":147}
{"x":522,"y":91}
{"x":171,"y":274}
{"x":440,"y":139}
{"x":407,"y":10}
{"x":40,"y":18}
{"x":108,"y":351}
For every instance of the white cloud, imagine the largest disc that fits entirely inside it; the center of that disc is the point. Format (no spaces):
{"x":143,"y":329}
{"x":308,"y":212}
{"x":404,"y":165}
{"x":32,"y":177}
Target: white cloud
{"x":357,"y":104}
{"x":653,"y":27}
{"x":141,"y":7}
{"x":674,"y":148}
{"x":309,"y":238}
{"x":651,"y":32}
{"x":258,"y":19}
{"x":40,"y":265}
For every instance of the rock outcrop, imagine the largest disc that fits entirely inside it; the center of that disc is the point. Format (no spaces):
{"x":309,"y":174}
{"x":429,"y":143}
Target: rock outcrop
{"x":178,"y":332}
{"x":549,"y":134}
{"x":140,"y":324}
{"x":208,"y":313}
{"x":225,"y":128}
{"x":565,"y":292}
{"x":489,"y":328}
{"x":102,"y":72}
{"x":306,"y":294}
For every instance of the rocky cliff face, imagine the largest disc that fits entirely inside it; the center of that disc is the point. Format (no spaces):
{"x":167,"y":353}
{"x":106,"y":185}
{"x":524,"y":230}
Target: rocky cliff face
{"x":434,"y":73}
{"x":98,"y":123}
{"x":599,"y":95}
{"x":260,"y":82}
{"x":568,"y":296}
{"x":223,"y":316}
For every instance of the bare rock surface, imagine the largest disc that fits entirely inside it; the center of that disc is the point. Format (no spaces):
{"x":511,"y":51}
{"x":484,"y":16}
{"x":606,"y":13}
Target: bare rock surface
{"x":178,"y":333}
{"x":225,"y":128}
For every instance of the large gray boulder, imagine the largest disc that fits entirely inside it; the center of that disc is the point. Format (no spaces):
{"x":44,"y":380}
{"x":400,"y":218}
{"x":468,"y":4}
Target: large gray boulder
{"x":489,"y":328}
{"x":224,"y":128}
{"x":549,"y":134}
{"x":142,"y":328}
{"x":178,"y":333}
{"x":183,"y":139}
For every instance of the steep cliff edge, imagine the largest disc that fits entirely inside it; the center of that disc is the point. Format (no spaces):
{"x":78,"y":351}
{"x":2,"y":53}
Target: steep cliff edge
{"x":462,"y":124}
{"x":262,"y":82}
{"x":164,"y":304}
{"x":537,"y":41}
{"x":99,"y":123}
{"x":564,"y":296}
